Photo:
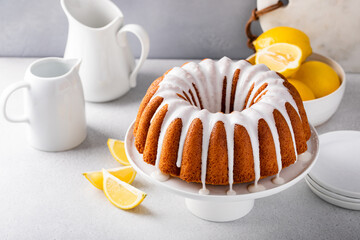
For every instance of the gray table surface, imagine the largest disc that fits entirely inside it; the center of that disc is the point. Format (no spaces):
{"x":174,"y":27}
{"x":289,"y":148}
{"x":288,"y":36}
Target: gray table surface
{"x":45,"y":196}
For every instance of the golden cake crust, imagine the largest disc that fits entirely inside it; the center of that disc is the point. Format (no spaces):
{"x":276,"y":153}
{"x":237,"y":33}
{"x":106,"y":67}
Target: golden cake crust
{"x":150,"y":117}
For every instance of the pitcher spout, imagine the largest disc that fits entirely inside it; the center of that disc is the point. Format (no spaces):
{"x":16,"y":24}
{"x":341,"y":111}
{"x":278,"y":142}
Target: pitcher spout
{"x":53,"y":67}
{"x":92,"y":14}
{"x":73,"y":64}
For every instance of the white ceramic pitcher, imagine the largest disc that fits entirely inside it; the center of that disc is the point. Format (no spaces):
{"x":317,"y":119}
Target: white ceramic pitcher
{"x":98,"y":37}
{"x":54,"y":108}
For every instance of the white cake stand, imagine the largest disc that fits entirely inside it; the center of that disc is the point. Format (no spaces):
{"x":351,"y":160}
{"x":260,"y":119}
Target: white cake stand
{"x":218,"y":206}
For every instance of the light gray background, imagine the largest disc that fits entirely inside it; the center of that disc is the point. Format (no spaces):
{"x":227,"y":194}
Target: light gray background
{"x":177,"y":29}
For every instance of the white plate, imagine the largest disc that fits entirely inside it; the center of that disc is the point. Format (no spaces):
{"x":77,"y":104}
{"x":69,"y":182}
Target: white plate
{"x":338,"y":166}
{"x":329,"y":193}
{"x":334,"y":201}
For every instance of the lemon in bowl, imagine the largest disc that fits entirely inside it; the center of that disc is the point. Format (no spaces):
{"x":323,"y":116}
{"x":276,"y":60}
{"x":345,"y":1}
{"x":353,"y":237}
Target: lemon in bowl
{"x":321,"y":109}
{"x":305,"y":92}
{"x":319,"y":77}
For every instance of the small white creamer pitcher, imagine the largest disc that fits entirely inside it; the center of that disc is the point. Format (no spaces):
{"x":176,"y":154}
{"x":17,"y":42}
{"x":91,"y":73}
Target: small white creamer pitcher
{"x":98,"y":37}
{"x":54,"y":104}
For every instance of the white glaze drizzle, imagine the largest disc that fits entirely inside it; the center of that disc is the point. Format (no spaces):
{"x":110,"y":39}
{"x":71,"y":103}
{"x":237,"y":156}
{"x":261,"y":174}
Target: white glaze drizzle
{"x":204,"y":191}
{"x":231,"y":192}
{"x":306,"y":156}
{"x":278,"y":180}
{"x":158,"y":175}
{"x":208,"y":77}
{"x":256,"y":187}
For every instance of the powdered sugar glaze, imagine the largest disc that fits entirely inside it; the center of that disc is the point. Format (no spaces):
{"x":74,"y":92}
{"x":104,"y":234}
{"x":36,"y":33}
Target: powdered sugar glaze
{"x":208,"y":78}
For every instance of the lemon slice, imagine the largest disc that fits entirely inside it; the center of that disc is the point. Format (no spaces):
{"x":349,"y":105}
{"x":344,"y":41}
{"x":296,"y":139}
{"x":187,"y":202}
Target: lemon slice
{"x":117,"y":150}
{"x":126,"y":174}
{"x":284,"y":34}
{"x":283,"y":58}
{"x":120,"y":193}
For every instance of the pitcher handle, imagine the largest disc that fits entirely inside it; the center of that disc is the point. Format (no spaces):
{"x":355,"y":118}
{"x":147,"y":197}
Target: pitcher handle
{"x":142,"y":35}
{"x":4,"y":98}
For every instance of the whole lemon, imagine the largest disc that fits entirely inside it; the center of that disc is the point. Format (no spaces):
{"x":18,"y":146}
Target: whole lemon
{"x":304,"y":91}
{"x":284,"y":35}
{"x":319,"y":77}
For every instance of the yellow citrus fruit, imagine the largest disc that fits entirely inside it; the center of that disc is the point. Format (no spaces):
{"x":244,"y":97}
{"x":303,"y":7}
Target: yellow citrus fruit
{"x":284,"y":58}
{"x":120,"y":193}
{"x":284,"y":35}
{"x":304,"y":91}
{"x":319,"y":77}
{"x":126,"y":174}
{"x":117,"y":150}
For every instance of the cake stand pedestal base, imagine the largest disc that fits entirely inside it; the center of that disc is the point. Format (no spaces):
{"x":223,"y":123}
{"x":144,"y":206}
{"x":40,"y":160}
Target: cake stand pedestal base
{"x":219,"y":211}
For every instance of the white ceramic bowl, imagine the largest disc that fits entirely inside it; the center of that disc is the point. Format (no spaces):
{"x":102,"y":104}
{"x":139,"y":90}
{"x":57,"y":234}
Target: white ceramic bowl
{"x":321,"y":109}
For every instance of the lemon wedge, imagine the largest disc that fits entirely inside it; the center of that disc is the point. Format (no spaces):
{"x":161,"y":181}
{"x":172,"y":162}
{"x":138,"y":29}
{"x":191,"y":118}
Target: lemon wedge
{"x":120,"y":193}
{"x":283,"y":58}
{"x":117,"y":150}
{"x":126,"y":174}
{"x":284,"y":34}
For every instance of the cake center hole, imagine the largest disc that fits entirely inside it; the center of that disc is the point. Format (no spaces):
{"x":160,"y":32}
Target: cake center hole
{"x":225,"y":99}
{"x":216,"y":99}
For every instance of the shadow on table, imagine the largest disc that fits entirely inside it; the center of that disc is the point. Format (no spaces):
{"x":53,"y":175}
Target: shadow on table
{"x":141,"y":209}
{"x":141,"y":184}
{"x":95,"y":139}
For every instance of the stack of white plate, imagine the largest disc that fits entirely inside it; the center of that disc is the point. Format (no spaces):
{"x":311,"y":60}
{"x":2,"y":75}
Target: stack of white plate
{"x":335,"y":177}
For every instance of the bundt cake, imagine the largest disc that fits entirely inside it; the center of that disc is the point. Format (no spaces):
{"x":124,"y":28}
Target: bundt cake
{"x":221,"y":123}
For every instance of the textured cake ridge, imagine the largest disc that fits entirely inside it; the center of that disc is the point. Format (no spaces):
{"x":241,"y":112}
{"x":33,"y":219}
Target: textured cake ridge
{"x":239,"y":122}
